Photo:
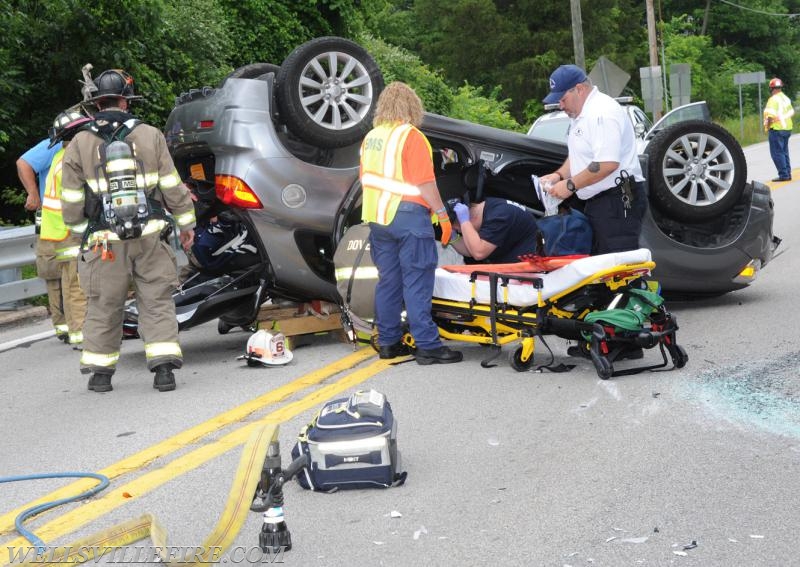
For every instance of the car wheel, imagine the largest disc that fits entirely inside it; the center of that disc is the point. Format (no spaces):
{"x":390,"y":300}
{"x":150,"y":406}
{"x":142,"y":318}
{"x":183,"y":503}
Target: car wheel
{"x":252,"y":71}
{"x":697,"y":170}
{"x":327,"y":91}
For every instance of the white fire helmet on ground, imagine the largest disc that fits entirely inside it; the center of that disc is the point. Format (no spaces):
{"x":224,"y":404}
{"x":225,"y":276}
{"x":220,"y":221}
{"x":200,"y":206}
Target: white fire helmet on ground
{"x":267,"y":349}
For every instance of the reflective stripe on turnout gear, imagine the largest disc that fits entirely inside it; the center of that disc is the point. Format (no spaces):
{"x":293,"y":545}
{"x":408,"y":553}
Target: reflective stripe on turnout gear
{"x":67,"y":253}
{"x":101,"y":360}
{"x":154,"y":350}
{"x":153,"y":226}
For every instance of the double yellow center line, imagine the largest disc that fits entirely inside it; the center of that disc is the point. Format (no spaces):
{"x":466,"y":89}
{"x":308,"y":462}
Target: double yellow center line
{"x":114,"y":498}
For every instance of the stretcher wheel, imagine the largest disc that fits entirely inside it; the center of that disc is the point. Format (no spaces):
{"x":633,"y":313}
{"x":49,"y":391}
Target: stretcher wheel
{"x":515,"y":359}
{"x":679,"y":356}
{"x":603,"y":366}
{"x":223,"y":328}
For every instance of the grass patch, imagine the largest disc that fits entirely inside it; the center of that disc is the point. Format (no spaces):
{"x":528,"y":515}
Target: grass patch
{"x":29,"y":272}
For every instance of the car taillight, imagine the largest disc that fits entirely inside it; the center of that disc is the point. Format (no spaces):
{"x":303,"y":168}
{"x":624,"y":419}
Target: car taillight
{"x":233,"y":191}
{"x":206,"y":124}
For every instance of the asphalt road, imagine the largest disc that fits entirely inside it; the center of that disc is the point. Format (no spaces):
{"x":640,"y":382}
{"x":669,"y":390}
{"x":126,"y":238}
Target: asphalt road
{"x":505,"y":468}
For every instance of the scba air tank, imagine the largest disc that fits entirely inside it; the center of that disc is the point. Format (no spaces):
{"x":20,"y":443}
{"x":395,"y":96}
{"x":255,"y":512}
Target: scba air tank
{"x":128,"y":205}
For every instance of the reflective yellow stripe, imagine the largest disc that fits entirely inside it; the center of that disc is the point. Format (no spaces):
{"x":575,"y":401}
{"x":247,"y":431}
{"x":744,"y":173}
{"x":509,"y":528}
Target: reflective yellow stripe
{"x":169,"y":181}
{"x":72,"y":195}
{"x":97,"y":359}
{"x":75,"y":337}
{"x":51,"y":203}
{"x":186,"y":218}
{"x":151,"y":179}
{"x":152,"y":227}
{"x":152,"y":350}
{"x":61,"y":329}
{"x":362,"y":273}
{"x":79,"y":228}
{"x":64,"y":254}
{"x":390,"y":185}
{"x":120,"y":164}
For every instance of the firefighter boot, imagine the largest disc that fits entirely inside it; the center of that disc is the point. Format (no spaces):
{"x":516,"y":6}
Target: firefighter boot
{"x":100,"y":382}
{"x":164,"y":380}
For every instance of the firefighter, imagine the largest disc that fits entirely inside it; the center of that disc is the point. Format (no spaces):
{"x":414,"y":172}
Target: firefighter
{"x":32,"y":169}
{"x":778,"y":125}
{"x":55,"y":239}
{"x":118,"y":181}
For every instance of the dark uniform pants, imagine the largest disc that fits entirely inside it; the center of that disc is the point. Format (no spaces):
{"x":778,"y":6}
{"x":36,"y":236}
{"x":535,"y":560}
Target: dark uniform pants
{"x":616,"y":230}
{"x":405,"y":254}
{"x":149,"y":263}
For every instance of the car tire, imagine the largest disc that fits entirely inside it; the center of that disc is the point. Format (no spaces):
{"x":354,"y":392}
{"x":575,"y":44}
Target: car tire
{"x":252,"y":71}
{"x":697,"y":170}
{"x":327,"y":91}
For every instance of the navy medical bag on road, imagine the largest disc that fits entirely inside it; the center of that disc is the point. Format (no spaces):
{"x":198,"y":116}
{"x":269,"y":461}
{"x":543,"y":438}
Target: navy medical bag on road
{"x":350,"y":443}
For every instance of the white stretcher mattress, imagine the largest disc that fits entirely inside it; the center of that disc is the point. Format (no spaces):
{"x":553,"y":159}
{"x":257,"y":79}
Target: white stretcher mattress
{"x":457,"y":287}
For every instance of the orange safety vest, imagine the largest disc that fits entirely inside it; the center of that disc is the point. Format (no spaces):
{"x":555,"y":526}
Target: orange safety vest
{"x":382,"y":180}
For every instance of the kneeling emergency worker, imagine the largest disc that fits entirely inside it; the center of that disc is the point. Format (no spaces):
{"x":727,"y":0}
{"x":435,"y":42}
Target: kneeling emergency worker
{"x":118,"y":181}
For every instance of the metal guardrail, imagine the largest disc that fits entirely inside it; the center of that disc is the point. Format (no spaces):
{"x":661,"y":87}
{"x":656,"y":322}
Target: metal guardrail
{"x":17,"y":249}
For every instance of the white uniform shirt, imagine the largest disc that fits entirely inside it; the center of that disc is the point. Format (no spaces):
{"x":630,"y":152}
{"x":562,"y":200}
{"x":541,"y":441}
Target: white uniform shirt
{"x":602,"y":132}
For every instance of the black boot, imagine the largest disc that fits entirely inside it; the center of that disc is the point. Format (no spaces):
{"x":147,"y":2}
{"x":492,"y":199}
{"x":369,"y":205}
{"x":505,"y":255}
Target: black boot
{"x":164,"y":380}
{"x":100,"y":382}
{"x":441,"y":355}
{"x":393,"y":351}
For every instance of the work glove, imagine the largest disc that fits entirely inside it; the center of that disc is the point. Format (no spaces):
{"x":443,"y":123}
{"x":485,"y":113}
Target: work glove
{"x":462,"y":212}
{"x":446,"y":226}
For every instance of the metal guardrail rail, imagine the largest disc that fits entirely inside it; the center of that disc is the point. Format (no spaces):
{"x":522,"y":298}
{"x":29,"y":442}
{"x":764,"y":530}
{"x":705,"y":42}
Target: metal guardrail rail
{"x":17,"y":249}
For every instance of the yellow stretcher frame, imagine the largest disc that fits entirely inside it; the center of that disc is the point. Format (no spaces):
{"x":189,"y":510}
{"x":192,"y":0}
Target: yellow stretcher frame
{"x":499,"y":323}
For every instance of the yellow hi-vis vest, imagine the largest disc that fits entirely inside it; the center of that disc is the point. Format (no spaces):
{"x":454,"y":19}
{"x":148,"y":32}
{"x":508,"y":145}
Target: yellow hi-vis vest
{"x":382,"y":178}
{"x":53,"y":227}
{"x":780,"y":109}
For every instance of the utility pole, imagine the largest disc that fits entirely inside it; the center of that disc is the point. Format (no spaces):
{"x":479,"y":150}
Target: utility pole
{"x":577,"y":33}
{"x":651,"y":41}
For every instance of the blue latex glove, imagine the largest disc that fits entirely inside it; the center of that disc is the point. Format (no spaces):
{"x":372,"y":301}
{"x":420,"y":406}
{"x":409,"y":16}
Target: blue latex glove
{"x":462,"y":212}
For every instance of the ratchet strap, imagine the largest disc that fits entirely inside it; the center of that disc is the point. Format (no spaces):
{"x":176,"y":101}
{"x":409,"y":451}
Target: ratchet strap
{"x":221,"y":537}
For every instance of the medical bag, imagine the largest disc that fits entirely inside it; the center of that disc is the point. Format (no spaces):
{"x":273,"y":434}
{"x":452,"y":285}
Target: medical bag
{"x":350,"y":443}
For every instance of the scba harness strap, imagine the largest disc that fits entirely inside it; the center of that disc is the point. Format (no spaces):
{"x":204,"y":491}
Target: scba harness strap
{"x":121,"y":206}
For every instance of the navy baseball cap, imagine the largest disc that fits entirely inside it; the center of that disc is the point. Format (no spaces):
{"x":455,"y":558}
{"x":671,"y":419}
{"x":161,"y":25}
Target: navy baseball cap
{"x":562,"y":80}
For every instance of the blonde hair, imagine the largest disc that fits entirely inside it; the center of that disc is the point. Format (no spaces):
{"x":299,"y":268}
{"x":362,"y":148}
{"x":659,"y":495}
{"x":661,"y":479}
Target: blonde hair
{"x":398,"y":103}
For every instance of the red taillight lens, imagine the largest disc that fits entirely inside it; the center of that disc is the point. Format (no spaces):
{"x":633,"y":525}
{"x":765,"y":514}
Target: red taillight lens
{"x":233,"y":191}
{"x":206,"y":124}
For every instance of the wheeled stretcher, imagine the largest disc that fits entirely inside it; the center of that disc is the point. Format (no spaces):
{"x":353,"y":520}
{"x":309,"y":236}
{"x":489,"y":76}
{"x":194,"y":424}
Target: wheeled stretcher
{"x":601,"y":301}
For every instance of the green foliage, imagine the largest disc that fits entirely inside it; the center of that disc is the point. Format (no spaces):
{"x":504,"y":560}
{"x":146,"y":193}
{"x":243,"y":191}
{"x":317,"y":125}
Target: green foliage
{"x":470,"y":104}
{"x":397,"y":64}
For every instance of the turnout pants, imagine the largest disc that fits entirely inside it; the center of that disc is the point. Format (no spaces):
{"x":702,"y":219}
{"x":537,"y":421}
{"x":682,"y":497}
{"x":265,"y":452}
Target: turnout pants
{"x":66,"y":300}
{"x":149,"y":264}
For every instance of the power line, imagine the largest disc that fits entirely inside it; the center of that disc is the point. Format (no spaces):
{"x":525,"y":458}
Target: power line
{"x":762,"y":12}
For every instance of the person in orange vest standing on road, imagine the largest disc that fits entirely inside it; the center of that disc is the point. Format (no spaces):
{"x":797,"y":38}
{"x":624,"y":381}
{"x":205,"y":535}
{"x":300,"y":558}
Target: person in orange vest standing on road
{"x":399,"y":194}
{"x":54,"y":235}
{"x":778,"y":125}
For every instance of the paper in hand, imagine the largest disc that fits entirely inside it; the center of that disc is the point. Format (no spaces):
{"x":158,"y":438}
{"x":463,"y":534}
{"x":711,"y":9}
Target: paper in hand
{"x":550,"y":202}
